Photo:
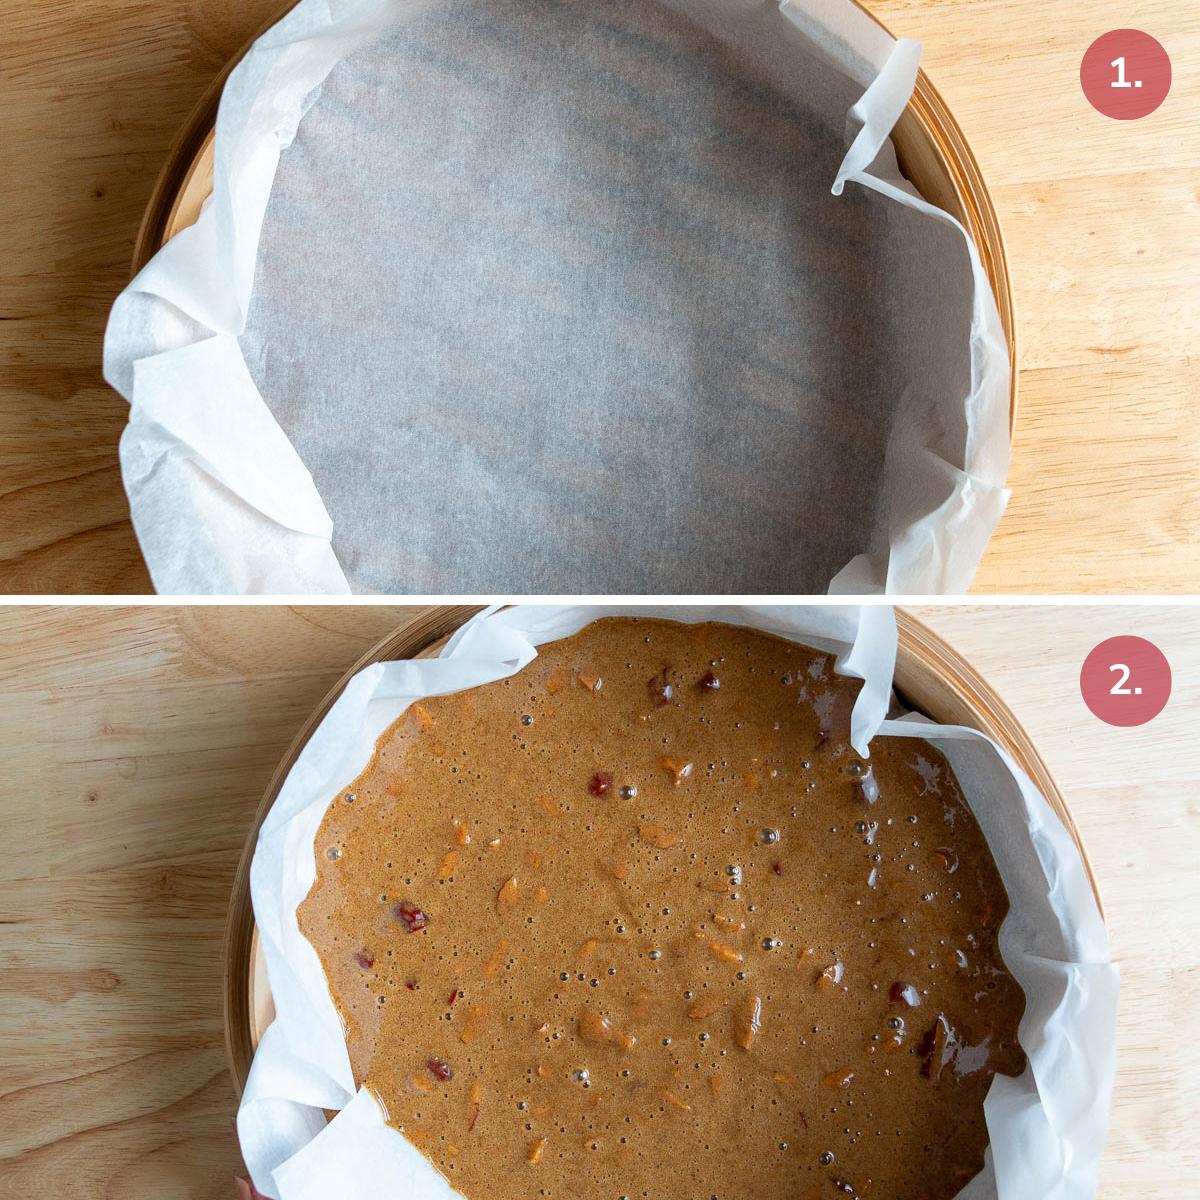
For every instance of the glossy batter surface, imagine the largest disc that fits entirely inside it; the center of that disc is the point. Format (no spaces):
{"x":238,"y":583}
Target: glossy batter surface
{"x":637,"y":922}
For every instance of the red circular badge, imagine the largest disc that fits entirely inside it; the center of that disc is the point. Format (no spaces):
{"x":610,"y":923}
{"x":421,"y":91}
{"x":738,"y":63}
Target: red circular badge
{"x":1126,"y":681}
{"x":1126,"y":74}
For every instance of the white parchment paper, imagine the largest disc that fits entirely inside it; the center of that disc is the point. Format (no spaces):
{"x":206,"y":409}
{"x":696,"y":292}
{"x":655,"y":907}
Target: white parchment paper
{"x":1047,"y":1127}
{"x":541,"y":295}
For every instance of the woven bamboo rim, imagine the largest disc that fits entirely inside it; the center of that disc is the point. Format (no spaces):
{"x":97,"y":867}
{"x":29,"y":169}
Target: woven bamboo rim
{"x":930,"y":145}
{"x":931,"y":678}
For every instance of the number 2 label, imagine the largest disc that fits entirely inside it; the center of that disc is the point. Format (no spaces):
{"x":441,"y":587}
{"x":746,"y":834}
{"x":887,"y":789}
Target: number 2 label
{"x":1119,"y":688}
{"x":1125,"y":681}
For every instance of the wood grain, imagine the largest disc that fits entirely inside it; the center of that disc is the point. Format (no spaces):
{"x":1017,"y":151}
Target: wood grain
{"x":139,"y":741}
{"x":92,"y":95}
{"x":1100,"y":219}
{"x":137,"y":744}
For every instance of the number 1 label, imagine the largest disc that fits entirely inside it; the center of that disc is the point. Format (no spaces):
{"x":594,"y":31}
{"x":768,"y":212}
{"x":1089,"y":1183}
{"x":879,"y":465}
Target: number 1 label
{"x":1121,"y":81}
{"x":1125,"y":74}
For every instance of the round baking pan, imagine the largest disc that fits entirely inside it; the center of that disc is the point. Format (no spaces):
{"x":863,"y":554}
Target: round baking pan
{"x":931,"y":148}
{"x":930,"y":678}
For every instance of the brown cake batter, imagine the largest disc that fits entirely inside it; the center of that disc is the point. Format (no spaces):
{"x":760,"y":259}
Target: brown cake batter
{"x":637,"y":922}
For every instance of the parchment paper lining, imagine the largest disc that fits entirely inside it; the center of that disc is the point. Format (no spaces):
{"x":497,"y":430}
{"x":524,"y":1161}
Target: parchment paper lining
{"x":547,"y":299}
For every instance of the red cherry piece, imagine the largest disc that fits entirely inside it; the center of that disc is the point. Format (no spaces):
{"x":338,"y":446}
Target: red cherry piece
{"x":709,"y":683}
{"x":365,"y":959}
{"x":601,"y":783}
{"x":411,"y":917}
{"x":440,"y":1068}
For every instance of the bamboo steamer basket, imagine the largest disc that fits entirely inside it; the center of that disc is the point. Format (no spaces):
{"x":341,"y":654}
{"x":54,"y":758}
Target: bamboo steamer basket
{"x":931,"y":148}
{"x":930,"y":678}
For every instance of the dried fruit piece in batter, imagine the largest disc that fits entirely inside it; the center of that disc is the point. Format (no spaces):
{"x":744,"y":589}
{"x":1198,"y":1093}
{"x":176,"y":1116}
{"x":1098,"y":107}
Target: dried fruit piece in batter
{"x":949,"y":860}
{"x":592,"y":1026}
{"x":412,"y":918}
{"x":704,"y":1007}
{"x":829,"y":978}
{"x":661,"y":691}
{"x":508,"y":894}
{"x":496,"y":961}
{"x":672,"y":1099}
{"x":439,"y":1068}
{"x":678,"y":768}
{"x":658,"y":835}
{"x":595,"y":1027}
{"x":723,"y":953}
{"x":839,"y":1079}
{"x":904,"y":994}
{"x":475,"y":1016}
{"x":938,"y":1047}
{"x":748,"y":1021}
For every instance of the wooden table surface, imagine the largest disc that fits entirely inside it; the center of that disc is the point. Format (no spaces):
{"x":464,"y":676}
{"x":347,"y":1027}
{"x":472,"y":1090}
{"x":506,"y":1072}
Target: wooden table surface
{"x":1101,"y":219}
{"x":140,"y":740}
